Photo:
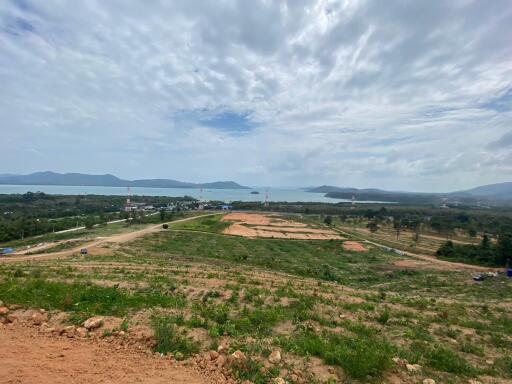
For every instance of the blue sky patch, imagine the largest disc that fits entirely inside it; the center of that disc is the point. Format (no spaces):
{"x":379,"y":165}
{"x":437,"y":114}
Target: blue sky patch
{"x":226,"y":121}
{"x":231,"y":122}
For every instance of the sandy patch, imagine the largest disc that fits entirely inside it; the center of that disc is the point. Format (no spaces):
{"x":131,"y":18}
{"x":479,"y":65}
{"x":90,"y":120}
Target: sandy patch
{"x":28,"y":357}
{"x":353,"y":246}
{"x":272,"y":226}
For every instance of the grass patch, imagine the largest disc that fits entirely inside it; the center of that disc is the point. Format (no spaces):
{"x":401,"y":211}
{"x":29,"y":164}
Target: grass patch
{"x":169,"y":340}
{"x":204,"y":224}
{"x":84,"y":300}
{"x":359,"y":357}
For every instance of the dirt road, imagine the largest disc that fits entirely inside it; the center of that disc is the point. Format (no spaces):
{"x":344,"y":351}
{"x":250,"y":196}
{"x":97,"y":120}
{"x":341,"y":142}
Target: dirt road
{"x":27,"y":357}
{"x":91,"y":246}
{"x":435,"y":262}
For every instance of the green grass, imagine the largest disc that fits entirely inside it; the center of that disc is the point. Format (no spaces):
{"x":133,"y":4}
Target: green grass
{"x":447,"y":360}
{"x":204,"y":224}
{"x":168,"y":339}
{"x":358,"y":356}
{"x":82,"y":299}
{"x":323,"y":260}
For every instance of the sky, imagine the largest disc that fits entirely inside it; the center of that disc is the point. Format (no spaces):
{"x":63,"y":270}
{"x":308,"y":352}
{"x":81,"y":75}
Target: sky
{"x":401,"y":95}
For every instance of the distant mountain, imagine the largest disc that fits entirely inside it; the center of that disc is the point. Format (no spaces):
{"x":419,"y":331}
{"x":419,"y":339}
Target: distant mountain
{"x":500,"y":190}
{"x":80,"y":179}
{"x":330,"y":188}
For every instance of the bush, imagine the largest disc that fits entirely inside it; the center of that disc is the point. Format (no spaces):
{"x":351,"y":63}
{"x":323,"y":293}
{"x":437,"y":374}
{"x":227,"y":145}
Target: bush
{"x":169,"y":340}
{"x":165,"y":226}
{"x":383,"y":318}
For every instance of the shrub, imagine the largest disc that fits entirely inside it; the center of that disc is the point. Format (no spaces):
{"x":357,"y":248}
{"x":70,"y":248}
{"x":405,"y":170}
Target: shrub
{"x":169,"y":340}
{"x":383,"y":318}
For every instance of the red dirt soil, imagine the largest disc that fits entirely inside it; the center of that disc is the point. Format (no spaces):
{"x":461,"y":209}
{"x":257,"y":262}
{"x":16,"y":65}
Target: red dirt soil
{"x":353,"y":246}
{"x":29,"y":357}
{"x":272,"y":226}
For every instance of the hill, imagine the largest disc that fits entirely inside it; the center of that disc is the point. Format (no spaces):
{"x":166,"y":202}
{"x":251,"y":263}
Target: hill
{"x":107,"y":180}
{"x":499,"y":190}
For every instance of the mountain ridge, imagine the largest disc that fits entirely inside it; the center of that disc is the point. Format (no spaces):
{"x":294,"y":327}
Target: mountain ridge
{"x":500,"y":191}
{"x":107,"y":180}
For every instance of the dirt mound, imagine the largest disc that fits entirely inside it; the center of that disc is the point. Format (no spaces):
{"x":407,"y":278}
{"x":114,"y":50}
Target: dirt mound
{"x":353,"y":246}
{"x":29,"y":357}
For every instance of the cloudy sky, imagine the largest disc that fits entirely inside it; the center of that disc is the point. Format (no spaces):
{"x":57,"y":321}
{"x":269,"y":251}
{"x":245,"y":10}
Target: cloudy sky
{"x":413,"y":95}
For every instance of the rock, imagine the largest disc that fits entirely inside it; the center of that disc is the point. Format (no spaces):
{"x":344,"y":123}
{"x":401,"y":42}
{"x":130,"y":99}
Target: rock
{"x":471,"y":381}
{"x":279,"y":380}
{"x":214,"y":355}
{"x":39,"y":318}
{"x":400,"y":362}
{"x":69,"y":331}
{"x":14,"y":307}
{"x":93,"y":322}
{"x":239,"y":355}
{"x":275,"y":357}
{"x":429,"y":381}
{"x":4,"y":311}
{"x":11,"y":318}
{"x":81,"y":332}
{"x":413,"y":368}
{"x":220,"y":361}
{"x":222,"y":348}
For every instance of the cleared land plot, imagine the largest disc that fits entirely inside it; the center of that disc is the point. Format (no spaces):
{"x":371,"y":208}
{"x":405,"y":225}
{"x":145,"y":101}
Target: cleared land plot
{"x":256,"y":225}
{"x":332,"y":314}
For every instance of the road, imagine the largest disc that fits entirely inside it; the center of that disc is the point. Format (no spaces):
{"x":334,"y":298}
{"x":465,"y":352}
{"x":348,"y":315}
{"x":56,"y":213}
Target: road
{"x":118,"y":238}
{"x":96,"y":225}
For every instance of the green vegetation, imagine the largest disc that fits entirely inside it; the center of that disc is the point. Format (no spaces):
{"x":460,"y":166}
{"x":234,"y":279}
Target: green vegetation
{"x":33,"y":214}
{"x":168,"y":339}
{"x":349,"y":312}
{"x":360,"y":356}
{"x":84,"y":300}
{"x":204,"y":224}
{"x":484,"y":254}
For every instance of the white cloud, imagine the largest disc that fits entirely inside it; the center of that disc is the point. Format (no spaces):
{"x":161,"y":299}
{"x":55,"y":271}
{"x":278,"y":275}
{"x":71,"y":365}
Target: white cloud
{"x":384,"y":94}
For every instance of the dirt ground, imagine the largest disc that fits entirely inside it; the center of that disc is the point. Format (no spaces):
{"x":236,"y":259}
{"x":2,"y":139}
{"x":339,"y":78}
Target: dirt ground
{"x":27,"y":356}
{"x":273,"y":226}
{"x":353,"y":246}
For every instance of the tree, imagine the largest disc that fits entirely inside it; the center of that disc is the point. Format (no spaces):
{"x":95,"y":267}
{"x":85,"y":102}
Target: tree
{"x":89,"y":222}
{"x":328,"y":220}
{"x":162,"y":215}
{"x":503,"y":248}
{"x":397,"y":224}
{"x":472,"y":232}
{"x":486,"y":242}
{"x":372,"y":226}
{"x":446,"y":250}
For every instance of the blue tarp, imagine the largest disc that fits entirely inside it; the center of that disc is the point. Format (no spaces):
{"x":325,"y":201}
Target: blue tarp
{"x":5,"y":251}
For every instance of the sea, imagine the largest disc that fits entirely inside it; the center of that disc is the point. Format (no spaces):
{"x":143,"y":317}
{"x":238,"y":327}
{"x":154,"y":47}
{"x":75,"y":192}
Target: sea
{"x":225,"y":195}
